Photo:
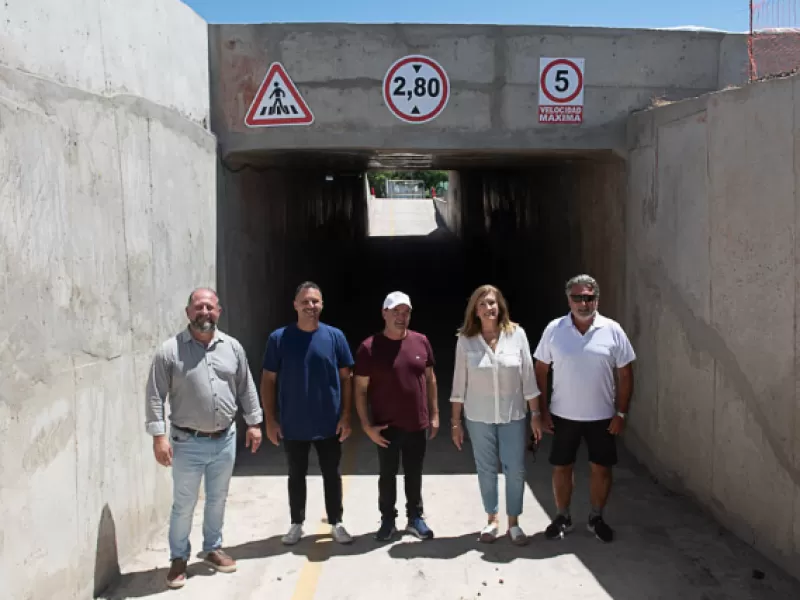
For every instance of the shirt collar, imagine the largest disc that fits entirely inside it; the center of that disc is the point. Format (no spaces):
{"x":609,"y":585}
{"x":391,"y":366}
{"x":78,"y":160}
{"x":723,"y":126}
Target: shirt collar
{"x":187,"y":337}
{"x":599,"y":322}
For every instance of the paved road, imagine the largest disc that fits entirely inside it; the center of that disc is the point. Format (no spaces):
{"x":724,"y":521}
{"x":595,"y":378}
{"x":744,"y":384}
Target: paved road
{"x":665,"y":547}
{"x":401,"y":216}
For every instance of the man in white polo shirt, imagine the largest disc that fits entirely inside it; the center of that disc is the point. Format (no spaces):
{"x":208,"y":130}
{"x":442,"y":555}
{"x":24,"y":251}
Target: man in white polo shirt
{"x":587,"y":351}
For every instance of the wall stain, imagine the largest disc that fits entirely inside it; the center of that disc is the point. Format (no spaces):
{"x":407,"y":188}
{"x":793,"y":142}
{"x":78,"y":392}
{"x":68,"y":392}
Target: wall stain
{"x":703,"y":337}
{"x":50,"y":442}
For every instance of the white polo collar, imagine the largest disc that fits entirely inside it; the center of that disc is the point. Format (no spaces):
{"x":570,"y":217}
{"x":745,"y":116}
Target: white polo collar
{"x":598,"y":322}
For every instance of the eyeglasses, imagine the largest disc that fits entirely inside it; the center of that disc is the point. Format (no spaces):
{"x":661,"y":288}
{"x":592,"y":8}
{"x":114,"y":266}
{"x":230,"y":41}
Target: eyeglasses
{"x":588,"y":298}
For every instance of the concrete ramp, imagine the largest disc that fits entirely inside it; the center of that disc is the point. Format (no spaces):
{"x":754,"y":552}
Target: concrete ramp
{"x":401,"y":216}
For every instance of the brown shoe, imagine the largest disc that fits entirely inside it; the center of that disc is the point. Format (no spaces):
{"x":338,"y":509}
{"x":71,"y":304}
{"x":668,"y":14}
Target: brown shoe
{"x":177,"y":574}
{"x":221,"y":561}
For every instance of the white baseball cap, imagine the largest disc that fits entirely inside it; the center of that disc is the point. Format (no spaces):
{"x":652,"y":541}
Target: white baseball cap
{"x":396,"y":299}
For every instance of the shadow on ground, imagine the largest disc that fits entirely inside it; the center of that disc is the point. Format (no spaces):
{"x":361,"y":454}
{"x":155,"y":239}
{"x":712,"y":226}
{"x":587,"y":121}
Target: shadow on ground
{"x":665,"y":546}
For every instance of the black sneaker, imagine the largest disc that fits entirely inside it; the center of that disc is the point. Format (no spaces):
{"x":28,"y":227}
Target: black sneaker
{"x":560,"y":526}
{"x":600,"y":529}
{"x":386,"y":531}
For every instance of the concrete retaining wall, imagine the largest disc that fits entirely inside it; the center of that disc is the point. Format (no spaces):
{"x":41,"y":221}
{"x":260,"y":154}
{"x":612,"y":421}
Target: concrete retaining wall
{"x":107,"y":219}
{"x":712,"y":306}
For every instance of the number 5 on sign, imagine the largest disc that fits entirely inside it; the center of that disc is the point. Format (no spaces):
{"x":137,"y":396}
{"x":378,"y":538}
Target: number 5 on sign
{"x":561,"y":90}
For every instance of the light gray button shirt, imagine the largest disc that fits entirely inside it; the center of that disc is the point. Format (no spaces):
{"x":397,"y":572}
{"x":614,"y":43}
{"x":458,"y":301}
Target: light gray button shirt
{"x":202,"y":383}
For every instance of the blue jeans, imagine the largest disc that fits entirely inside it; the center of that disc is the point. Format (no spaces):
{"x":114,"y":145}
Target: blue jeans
{"x":506,"y":441}
{"x":192,"y":459}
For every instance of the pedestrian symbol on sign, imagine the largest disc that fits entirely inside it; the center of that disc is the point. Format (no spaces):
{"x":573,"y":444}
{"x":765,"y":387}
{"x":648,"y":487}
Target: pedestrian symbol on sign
{"x":277,"y":102}
{"x":278,"y":107}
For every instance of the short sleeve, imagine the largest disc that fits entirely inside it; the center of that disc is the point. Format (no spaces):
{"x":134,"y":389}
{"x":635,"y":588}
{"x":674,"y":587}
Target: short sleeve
{"x":272,"y":360}
{"x":529,"y":387}
{"x":623,"y":350}
{"x":344,"y":358}
{"x":430,"y":362}
{"x":543,"y":351}
{"x":363,"y":366}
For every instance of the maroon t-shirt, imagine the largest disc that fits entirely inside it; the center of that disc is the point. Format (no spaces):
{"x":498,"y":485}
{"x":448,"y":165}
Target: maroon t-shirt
{"x":398,"y":392}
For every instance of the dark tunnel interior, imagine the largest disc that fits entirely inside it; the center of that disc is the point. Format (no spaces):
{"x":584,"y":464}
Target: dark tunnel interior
{"x":525,"y":229}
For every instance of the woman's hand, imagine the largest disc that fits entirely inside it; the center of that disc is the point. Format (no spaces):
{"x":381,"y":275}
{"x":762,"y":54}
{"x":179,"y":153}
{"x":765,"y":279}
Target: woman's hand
{"x":457,"y":433}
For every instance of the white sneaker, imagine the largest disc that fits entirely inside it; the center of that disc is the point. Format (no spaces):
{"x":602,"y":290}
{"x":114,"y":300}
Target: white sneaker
{"x":294,"y":534}
{"x":340,"y":534}
{"x":517,"y":536}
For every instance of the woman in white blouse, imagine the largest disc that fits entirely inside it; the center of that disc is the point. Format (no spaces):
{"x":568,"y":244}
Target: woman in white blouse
{"x":493,"y":380}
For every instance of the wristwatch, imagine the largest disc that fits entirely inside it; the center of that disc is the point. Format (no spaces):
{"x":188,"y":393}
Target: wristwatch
{"x":622,"y":414}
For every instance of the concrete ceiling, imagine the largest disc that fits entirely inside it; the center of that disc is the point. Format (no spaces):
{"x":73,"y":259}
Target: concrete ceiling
{"x":396,"y":160}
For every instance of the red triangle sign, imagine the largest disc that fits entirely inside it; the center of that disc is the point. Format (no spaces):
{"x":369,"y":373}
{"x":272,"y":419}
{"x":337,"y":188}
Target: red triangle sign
{"x":278,"y":102}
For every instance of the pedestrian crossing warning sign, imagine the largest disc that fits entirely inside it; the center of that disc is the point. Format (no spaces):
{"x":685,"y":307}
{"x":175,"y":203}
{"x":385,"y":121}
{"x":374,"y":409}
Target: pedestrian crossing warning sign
{"x":277,"y":102}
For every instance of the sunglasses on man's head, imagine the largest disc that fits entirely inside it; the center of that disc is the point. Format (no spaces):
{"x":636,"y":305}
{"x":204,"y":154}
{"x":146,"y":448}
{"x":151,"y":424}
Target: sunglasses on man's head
{"x":583,"y":297}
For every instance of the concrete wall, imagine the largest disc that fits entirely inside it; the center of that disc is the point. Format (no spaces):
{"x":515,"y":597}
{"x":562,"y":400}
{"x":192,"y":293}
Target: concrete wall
{"x":712,"y":273}
{"x":107,"y":219}
{"x":494,"y":72}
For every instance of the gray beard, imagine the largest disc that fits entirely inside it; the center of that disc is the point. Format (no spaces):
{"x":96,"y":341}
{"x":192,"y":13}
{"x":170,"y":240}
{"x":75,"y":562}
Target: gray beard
{"x":203,"y":326}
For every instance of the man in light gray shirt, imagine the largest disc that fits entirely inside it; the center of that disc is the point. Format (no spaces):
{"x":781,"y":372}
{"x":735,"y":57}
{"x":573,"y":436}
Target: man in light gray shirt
{"x":203,"y":372}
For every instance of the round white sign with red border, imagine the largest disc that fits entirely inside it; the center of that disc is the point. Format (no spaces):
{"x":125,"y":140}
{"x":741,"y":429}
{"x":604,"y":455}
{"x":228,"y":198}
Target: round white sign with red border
{"x":561,"y":90}
{"x":416,"y":89}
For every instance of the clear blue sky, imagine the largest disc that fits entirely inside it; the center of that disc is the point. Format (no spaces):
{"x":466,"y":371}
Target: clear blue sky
{"x":731,"y":15}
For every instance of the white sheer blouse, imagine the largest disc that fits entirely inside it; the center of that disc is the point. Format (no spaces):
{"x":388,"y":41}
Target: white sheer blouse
{"x":494,"y":385}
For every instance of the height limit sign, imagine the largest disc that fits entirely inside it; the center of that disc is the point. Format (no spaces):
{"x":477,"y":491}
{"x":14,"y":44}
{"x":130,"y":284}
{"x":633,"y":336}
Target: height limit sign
{"x":416,"y":89}
{"x":561,"y":90}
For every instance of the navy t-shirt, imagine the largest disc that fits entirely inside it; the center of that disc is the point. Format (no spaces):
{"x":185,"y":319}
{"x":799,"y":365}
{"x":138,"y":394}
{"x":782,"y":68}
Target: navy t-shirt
{"x":309,"y":391}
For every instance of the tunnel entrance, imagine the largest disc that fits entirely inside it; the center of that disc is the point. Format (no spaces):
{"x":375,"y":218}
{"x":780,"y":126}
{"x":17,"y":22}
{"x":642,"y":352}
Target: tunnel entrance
{"x":523,"y":223}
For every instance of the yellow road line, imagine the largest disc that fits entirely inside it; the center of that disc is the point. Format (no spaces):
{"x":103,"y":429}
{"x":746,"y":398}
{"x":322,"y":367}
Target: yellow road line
{"x":319,"y":552}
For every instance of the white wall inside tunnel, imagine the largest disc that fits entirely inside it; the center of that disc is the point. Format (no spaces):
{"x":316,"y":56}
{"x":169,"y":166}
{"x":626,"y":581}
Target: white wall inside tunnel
{"x":712,"y":306}
{"x":107,"y":220}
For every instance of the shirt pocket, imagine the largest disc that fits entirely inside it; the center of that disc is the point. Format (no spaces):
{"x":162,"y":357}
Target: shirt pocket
{"x":509,"y":360}
{"x":478,"y":360}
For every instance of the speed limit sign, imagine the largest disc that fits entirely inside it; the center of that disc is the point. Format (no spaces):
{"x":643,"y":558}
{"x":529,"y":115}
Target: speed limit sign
{"x":416,"y":89}
{"x":561,"y":90}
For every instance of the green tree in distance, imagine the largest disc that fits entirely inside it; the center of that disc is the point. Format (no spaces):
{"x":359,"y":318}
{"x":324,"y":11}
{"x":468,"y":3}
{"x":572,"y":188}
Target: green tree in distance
{"x":431,"y":179}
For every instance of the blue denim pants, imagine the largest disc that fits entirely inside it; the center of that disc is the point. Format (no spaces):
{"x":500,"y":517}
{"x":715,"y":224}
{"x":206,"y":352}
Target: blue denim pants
{"x":505,"y":441}
{"x":195,"y":458}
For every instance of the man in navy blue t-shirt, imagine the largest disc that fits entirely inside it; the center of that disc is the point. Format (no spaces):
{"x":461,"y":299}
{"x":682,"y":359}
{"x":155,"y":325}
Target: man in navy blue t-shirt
{"x":309,"y":365}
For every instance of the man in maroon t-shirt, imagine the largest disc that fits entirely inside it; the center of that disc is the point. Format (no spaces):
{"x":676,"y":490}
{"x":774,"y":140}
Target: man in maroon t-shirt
{"x":395,"y":382}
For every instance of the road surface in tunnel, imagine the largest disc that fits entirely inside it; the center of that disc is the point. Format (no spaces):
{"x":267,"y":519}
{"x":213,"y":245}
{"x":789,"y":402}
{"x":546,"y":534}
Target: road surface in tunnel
{"x":665,"y":546}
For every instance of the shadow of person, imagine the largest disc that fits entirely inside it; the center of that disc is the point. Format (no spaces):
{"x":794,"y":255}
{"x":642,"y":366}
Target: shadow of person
{"x":501,"y":551}
{"x":106,"y":562}
{"x":140,"y":584}
{"x":314,"y":547}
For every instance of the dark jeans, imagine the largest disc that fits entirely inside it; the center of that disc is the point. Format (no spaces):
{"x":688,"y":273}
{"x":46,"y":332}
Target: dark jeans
{"x":411,"y":447}
{"x":329,"y":454}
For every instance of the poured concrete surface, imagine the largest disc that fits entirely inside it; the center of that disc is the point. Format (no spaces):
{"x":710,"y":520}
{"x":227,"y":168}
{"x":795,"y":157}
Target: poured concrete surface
{"x":665,"y":548}
{"x":494,"y":76}
{"x":401,"y":216}
{"x":107,"y":221}
{"x":712,"y":273}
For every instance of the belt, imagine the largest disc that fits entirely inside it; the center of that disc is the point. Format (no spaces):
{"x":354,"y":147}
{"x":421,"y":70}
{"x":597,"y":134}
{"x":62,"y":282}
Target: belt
{"x":208,"y":434}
